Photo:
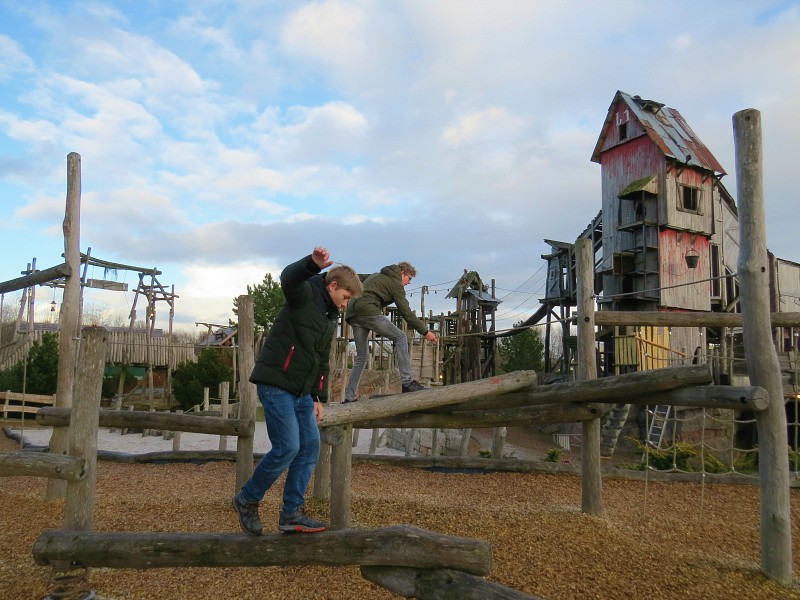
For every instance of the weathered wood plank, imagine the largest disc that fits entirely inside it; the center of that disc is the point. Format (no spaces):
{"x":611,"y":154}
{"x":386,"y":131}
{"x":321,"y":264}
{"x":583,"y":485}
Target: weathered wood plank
{"x":39,"y":464}
{"x":140,"y":419}
{"x":710,"y":396}
{"x":506,"y":417}
{"x":439,"y":584}
{"x":762,"y":361}
{"x":373,"y":408}
{"x":618,"y":388}
{"x":400,"y":545}
{"x":43,"y":276}
{"x":686,"y":319}
{"x":248,"y":398}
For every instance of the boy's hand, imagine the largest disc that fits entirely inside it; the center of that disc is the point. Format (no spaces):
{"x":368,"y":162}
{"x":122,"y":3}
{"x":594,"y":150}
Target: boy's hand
{"x":321,"y":257}
{"x":319,"y":412}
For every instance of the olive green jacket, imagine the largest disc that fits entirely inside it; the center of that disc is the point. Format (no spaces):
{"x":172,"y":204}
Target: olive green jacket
{"x":381,"y":290}
{"x":295,"y":355}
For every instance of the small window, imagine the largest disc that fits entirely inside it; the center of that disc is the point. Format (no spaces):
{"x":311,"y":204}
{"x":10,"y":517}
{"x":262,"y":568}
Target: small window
{"x":623,"y":131}
{"x":689,"y":199}
{"x":622,"y":263}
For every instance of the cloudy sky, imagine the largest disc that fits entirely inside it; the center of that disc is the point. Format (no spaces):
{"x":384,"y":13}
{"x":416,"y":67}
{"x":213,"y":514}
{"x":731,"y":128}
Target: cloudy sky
{"x":221,"y":140}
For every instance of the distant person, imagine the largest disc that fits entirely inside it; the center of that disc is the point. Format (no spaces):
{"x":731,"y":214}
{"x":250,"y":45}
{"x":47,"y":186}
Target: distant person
{"x":365,"y":314}
{"x":291,"y":380}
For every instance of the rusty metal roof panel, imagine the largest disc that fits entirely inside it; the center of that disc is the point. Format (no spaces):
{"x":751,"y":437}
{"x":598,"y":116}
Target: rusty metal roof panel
{"x":668,"y":130}
{"x":671,"y":133}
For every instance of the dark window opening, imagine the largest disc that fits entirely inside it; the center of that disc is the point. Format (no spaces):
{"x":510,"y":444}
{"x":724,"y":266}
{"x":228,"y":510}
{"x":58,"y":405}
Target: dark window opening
{"x":690,"y":198}
{"x":623,"y":131}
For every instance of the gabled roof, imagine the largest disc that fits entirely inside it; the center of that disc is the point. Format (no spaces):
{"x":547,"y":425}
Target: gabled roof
{"x":470,"y":283}
{"x":666,"y":128}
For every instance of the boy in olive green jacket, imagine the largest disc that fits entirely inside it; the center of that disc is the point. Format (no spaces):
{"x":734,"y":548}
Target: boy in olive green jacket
{"x":365,"y":314}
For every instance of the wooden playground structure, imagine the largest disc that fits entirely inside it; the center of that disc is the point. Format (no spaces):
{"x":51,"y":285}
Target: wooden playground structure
{"x":491,"y":401}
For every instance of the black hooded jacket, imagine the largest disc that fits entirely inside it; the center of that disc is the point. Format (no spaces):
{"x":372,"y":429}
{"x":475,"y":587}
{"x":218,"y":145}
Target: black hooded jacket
{"x":295,"y":355}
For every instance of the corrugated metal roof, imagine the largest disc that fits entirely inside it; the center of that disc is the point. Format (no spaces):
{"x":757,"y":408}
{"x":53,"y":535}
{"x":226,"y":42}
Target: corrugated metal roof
{"x":667,"y":129}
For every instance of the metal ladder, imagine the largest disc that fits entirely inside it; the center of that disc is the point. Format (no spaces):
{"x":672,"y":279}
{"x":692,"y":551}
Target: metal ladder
{"x":658,"y":424}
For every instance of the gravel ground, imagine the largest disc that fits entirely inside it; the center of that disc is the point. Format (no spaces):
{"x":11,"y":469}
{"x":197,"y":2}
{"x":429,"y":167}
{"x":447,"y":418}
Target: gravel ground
{"x":657,"y":541}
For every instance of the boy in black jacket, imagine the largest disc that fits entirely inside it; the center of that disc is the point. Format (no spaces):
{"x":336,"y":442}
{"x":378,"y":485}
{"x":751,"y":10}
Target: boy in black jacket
{"x":291,"y":379}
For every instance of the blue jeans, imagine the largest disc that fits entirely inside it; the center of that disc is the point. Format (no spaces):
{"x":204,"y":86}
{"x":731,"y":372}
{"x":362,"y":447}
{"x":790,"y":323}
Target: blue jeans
{"x":293,"y":433}
{"x":381,"y":326}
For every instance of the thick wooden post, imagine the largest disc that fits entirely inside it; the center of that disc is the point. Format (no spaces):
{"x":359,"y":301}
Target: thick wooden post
{"x":79,"y":506}
{"x":247,"y":390}
{"x":321,"y":489}
{"x":69,"y":325}
{"x":341,"y":474}
{"x":591,"y":478}
{"x":762,"y":360}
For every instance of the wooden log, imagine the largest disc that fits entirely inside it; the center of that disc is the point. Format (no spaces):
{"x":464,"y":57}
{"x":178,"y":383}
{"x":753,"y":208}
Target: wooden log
{"x":170,"y":456}
{"x":439,"y":584}
{"x":248,"y":398}
{"x":341,"y":476}
{"x":224,"y":395}
{"x":40,"y":464}
{"x":710,"y":396}
{"x":400,"y":545}
{"x":43,"y":276}
{"x":610,"y":318}
{"x":69,"y":318}
{"x":140,"y":419}
{"x":617,"y":388}
{"x":373,"y":408}
{"x":762,"y":360}
{"x":333,"y":436}
{"x":508,"y":417}
{"x":82,"y":437}
{"x":591,"y":480}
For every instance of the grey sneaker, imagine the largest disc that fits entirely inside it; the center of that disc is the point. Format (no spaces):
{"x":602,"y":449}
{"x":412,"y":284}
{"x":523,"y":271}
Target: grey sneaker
{"x":413,"y":386}
{"x":300,"y":522}
{"x":248,"y":515}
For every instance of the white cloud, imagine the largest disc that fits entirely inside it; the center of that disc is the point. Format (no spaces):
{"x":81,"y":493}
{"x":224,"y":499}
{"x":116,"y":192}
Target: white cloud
{"x":209,"y":289}
{"x":12,"y":58}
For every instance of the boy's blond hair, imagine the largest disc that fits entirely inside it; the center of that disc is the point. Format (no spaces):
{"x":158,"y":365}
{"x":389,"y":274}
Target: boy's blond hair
{"x":346,"y":278}
{"x":407,"y":268}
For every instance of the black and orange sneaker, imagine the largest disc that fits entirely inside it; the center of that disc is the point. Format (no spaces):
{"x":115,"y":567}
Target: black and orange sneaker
{"x":300,"y":522}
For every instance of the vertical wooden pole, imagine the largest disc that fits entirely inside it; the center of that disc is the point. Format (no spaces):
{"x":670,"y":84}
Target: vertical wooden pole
{"x":69,"y":320}
{"x":322,"y":474}
{"x":591,"y":478}
{"x":176,"y":437}
{"x":247,"y":390}
{"x":762,"y":360}
{"x":341,"y":474}
{"x":79,"y":505}
{"x":224,"y":393}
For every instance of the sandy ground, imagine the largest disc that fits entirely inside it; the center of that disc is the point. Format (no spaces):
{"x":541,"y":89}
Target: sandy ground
{"x":656,"y":540}
{"x":136,"y":443}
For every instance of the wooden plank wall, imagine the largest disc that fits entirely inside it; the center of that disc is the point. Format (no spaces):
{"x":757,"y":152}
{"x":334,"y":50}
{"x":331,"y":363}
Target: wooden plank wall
{"x":123,"y":348}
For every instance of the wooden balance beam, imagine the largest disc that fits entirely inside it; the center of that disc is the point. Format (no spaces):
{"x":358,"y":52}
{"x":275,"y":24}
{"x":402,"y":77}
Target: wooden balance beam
{"x":399,"y":545}
{"x":140,"y":419}
{"x":39,"y":464}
